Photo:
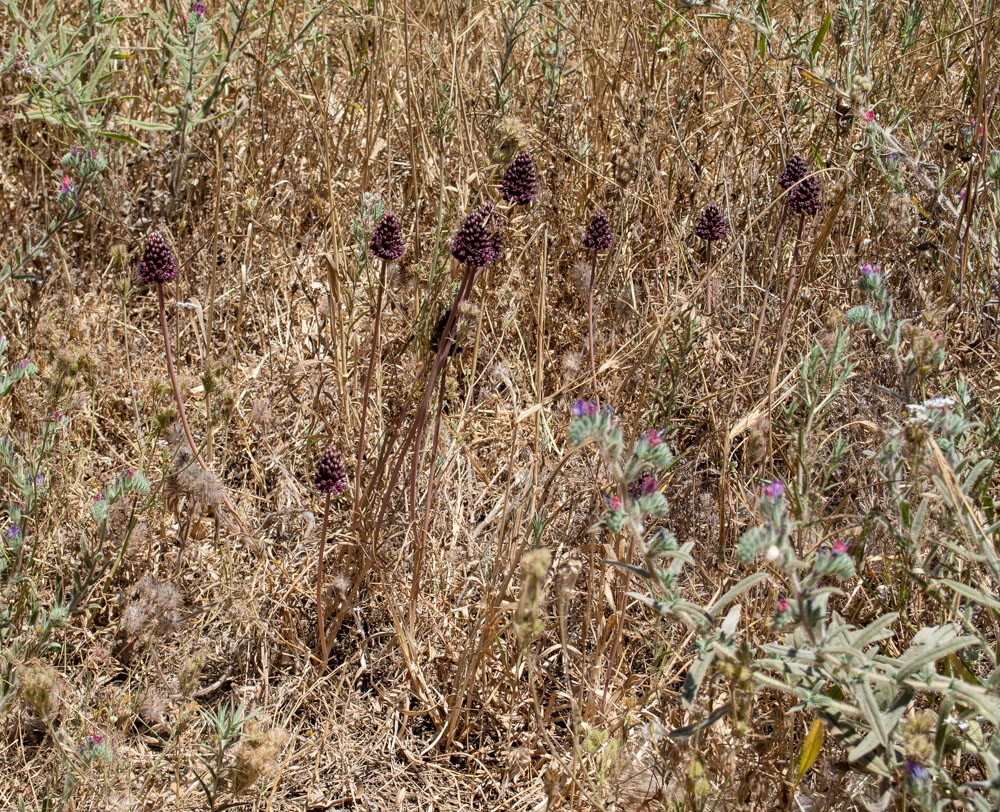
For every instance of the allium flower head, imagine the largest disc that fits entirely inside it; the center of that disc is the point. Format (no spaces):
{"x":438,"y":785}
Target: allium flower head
{"x":519,"y":183}
{"x":711,"y":225}
{"x":474,"y":244}
{"x":387,"y":238}
{"x":598,"y":234}
{"x":158,"y":264}
{"x":793,"y":172}
{"x":805,"y":198}
{"x":330,"y":477}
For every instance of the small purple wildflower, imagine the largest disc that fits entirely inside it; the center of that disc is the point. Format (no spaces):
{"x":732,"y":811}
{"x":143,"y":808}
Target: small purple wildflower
{"x":198,"y":8}
{"x":584,"y":408}
{"x":12,"y":530}
{"x":774,"y":490}
{"x":598,"y":235}
{"x":838,"y":549}
{"x":868,"y":269}
{"x":916,"y":771}
{"x":39,"y":479}
{"x":653,"y":437}
{"x":613,"y":502}
{"x":783,"y":604}
{"x":66,"y":188}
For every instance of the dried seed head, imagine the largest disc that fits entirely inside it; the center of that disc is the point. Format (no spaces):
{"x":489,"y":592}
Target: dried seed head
{"x":387,"y":238}
{"x":598,"y":235}
{"x":158,"y":264}
{"x":330,"y":477}
{"x":711,"y":225}
{"x":520,"y":181}
{"x":474,"y":245}
{"x":39,"y":686}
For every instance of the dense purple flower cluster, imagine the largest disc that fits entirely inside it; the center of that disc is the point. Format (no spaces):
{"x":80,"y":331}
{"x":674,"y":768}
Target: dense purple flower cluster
{"x":711,"y":225}
{"x":519,"y":183}
{"x":158,"y":264}
{"x":330,"y":477}
{"x":474,"y":244}
{"x":793,"y":172}
{"x":387,"y":239}
{"x":805,"y":198}
{"x":598,"y":234}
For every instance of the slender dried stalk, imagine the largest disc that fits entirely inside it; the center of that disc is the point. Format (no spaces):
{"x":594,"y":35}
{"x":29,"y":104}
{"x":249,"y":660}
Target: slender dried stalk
{"x":180,"y":407}
{"x":320,"y":609}
{"x":368,"y":383}
{"x":767,"y":284}
{"x":792,"y":281}
{"x":590,"y":320}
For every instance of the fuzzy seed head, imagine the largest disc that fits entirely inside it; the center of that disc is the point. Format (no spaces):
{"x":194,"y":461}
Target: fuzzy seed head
{"x":158,"y":264}
{"x":387,"y":238}
{"x":520,"y":181}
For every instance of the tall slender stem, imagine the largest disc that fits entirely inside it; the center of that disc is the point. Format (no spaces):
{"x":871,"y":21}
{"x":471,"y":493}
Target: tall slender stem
{"x":792,"y":280}
{"x":180,"y":407}
{"x":590,"y":320}
{"x":320,"y":610}
{"x":368,"y":383}
{"x":708,"y":278}
{"x":767,"y":284}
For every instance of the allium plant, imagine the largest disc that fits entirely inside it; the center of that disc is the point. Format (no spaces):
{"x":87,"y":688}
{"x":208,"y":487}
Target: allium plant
{"x":388,"y":245}
{"x":329,"y":480}
{"x":158,"y":266}
{"x":711,"y":226}
{"x":519,"y":183}
{"x":596,"y":238}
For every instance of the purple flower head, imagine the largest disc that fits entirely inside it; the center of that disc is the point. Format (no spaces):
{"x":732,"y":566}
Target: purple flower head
{"x":648,"y":485}
{"x":584,"y":408}
{"x":613,"y":502}
{"x":330,"y":477}
{"x":474,"y":245}
{"x":774,"y":490}
{"x":711,"y":225}
{"x":24,"y":363}
{"x":519,"y":183}
{"x":598,"y":237}
{"x":653,"y":437}
{"x":158,"y":264}
{"x":871,"y":270}
{"x":916,"y":771}
{"x":805,"y":198}
{"x":783,"y":605}
{"x":838,"y":549}
{"x":39,"y":479}
{"x":67,"y":186}
{"x":12,"y":530}
{"x":793,"y":172}
{"x":198,"y":8}
{"x":387,"y":238}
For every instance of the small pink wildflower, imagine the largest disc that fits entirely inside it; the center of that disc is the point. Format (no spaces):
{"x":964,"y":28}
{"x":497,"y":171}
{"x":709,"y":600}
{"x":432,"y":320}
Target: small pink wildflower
{"x":653,"y":437}
{"x":870,"y":116}
{"x":839,"y":548}
{"x":774,"y":490}
{"x":782,"y":604}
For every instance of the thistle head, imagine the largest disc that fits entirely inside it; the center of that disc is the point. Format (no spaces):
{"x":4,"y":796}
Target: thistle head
{"x":387,"y":239}
{"x":330,"y":477}
{"x":598,"y":234}
{"x":519,"y":183}
{"x":158,"y":264}
{"x":711,"y":225}
{"x":474,"y":244}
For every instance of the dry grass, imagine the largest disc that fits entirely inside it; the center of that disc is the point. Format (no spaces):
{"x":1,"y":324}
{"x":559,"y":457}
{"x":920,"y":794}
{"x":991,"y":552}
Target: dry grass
{"x":653,"y":113}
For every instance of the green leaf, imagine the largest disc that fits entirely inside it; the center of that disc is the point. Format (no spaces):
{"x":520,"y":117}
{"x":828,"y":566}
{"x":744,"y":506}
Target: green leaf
{"x":735,"y":592}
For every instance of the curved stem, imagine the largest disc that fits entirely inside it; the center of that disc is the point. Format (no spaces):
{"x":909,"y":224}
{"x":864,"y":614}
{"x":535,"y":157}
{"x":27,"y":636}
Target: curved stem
{"x":180,"y":407}
{"x":320,"y":611}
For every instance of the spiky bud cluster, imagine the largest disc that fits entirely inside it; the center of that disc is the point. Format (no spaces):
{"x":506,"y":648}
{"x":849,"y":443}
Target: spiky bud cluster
{"x":598,"y":237}
{"x":519,"y":183}
{"x":158,"y":264}
{"x":805,"y":198}
{"x":711,"y":225}
{"x":387,"y":238}
{"x":474,"y":244}
{"x":793,"y":172}
{"x":330,"y":477}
